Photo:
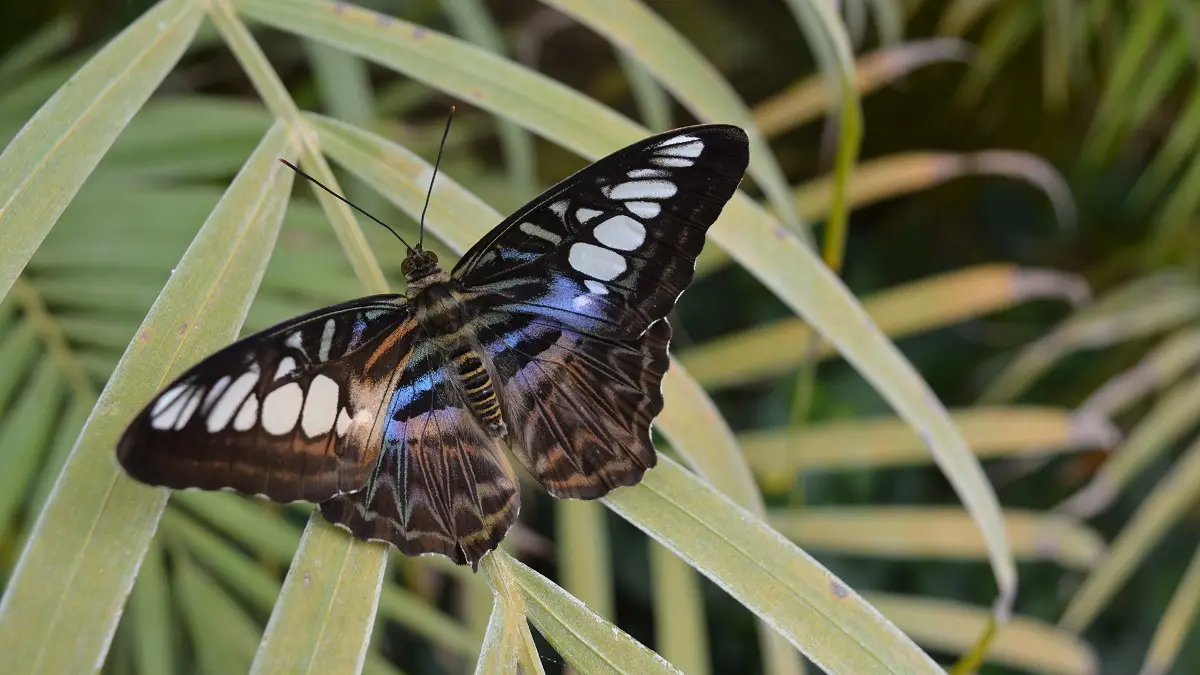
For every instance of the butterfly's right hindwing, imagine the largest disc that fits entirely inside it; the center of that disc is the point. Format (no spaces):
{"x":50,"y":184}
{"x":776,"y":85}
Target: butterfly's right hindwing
{"x":443,"y":485}
{"x":289,"y":413}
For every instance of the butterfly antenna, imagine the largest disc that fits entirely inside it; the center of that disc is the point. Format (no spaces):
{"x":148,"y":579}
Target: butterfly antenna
{"x":345,"y":201}
{"x":436,"y":164}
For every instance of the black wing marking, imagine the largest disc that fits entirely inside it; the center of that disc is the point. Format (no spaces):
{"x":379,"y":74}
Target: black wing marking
{"x":289,"y":413}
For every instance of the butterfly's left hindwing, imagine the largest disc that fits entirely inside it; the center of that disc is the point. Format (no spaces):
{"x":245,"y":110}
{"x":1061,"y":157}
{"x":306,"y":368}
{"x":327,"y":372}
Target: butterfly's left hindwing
{"x":288,"y":413}
{"x":579,"y":407}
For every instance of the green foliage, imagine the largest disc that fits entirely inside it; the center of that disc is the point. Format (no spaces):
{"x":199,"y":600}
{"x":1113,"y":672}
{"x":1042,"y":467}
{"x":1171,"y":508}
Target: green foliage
{"x":144,"y":218}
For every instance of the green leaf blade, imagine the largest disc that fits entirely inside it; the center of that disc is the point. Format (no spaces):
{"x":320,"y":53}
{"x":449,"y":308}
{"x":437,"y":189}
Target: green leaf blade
{"x":54,"y":153}
{"x":814,"y":610}
{"x":61,"y":607}
{"x":314,"y":617}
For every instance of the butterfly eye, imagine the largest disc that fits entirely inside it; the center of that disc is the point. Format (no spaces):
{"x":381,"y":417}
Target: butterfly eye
{"x":418,"y":260}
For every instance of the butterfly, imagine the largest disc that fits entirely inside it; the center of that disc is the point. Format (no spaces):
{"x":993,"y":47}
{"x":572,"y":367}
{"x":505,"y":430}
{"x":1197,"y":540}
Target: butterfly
{"x":392,"y":411}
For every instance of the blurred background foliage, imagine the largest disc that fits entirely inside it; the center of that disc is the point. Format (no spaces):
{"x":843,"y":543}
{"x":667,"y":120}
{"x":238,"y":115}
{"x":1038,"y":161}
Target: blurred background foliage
{"x":1018,"y":157}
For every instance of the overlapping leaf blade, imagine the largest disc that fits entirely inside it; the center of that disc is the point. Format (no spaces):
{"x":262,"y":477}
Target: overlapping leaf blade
{"x":42,"y":168}
{"x":80,"y":562}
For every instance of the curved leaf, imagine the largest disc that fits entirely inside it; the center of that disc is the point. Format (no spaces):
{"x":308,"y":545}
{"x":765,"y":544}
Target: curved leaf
{"x":1168,"y":501}
{"x":684,"y":71}
{"x":588,"y":642}
{"x":1023,"y":643}
{"x":776,"y":257}
{"x":819,"y":614}
{"x":80,"y":562}
{"x":42,"y":168}
{"x":933,"y":533}
{"x":319,"y":625}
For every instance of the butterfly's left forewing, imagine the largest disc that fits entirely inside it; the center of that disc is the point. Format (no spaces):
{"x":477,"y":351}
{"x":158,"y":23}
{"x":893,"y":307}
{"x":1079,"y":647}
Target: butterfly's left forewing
{"x":289,"y":413}
{"x":608,"y":250}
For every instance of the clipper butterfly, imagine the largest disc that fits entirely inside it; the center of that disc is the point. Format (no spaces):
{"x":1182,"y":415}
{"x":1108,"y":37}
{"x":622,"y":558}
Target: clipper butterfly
{"x":392,"y":411}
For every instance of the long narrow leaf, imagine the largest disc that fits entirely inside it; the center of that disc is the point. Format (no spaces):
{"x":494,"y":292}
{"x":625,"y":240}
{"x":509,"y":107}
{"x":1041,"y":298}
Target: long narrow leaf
{"x":586,"y":641}
{"x":347,"y":573}
{"x":906,"y":309}
{"x":1176,"y":622}
{"x":1167,"y":502}
{"x":780,"y":260}
{"x":317,"y":626}
{"x":61,"y":607}
{"x":1024,"y":643}
{"x":684,"y":71}
{"x":931,"y":532}
{"x":818,"y":613}
{"x":507,"y":643}
{"x":680,"y":629}
{"x":876,"y":442}
{"x":45,"y":164}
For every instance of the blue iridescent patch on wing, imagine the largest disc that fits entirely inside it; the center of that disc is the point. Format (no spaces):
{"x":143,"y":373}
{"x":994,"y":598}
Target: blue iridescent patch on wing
{"x":569,"y":302}
{"x":412,"y":398}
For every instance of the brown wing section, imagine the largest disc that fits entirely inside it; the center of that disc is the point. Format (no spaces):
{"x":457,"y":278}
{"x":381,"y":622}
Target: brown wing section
{"x":579,"y":408}
{"x":443,"y":485}
{"x":288,"y":413}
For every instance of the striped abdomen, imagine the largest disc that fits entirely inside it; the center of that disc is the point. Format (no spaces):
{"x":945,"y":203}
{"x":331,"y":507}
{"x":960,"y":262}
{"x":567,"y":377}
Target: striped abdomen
{"x":477,"y":385}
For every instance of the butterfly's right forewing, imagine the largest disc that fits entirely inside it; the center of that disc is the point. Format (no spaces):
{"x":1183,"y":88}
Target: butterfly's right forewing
{"x":290,"y":413}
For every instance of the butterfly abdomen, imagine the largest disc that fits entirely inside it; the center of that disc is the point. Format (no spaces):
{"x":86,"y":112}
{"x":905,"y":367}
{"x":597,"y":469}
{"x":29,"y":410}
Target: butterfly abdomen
{"x":478,"y":390}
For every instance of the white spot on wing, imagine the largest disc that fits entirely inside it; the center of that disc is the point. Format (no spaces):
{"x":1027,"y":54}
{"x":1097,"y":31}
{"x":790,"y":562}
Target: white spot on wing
{"x":644,"y":209}
{"x":217,"y":390}
{"x":692,"y":150}
{"x":642,"y":189}
{"x":225,"y":408}
{"x":584,"y":215}
{"x":320,"y":407}
{"x":326,"y":339}
{"x":287,"y":365}
{"x":559,"y":207}
{"x":343,"y":422}
{"x":164,"y":415}
{"x":540,"y":232}
{"x":596,"y":262}
{"x":671,"y":161}
{"x":189,"y":407}
{"x":281,"y":409}
{"x":647,"y":173}
{"x":596,"y":287}
{"x":247,"y":414}
{"x":620,"y":232}
{"x":167,"y":398}
{"x":295,"y":341}
{"x":676,"y":140}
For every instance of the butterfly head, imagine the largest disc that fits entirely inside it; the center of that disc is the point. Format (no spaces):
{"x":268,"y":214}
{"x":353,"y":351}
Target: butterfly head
{"x":421,"y":269}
